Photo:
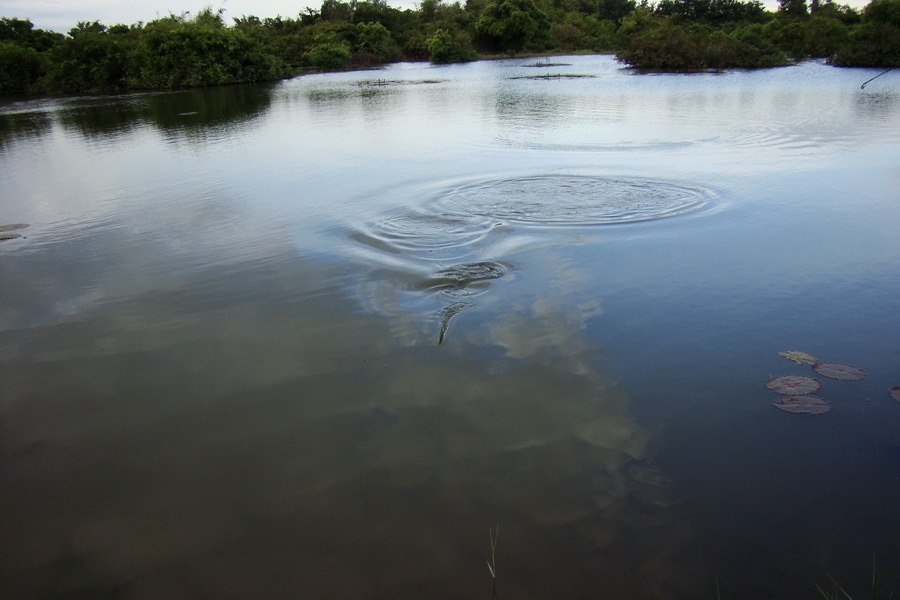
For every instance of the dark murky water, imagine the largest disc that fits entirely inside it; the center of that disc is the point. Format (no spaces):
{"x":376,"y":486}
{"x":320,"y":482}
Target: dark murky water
{"x":312,"y":340}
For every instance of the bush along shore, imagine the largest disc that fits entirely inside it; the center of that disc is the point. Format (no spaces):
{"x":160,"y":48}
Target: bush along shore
{"x":182,"y":51}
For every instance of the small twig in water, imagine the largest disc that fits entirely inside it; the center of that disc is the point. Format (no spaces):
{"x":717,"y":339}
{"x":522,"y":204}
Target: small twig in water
{"x":863,"y":86}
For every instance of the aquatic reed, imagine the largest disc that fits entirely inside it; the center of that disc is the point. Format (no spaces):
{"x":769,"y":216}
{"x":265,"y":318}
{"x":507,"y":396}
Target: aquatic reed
{"x":839,"y":593}
{"x":492,"y":564}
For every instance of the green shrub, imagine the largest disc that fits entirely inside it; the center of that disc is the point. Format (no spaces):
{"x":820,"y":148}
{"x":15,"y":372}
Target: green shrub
{"x":328,"y":55}
{"x":443,"y":47}
{"x":20,"y":69}
{"x":174,"y":54}
{"x":871,"y":45}
{"x":512,"y":26}
{"x":661,"y":43}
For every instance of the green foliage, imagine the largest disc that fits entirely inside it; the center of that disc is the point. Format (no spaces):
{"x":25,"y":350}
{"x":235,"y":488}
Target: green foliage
{"x":208,"y":19}
{"x":512,"y":26}
{"x":23,"y":56}
{"x":578,"y":31}
{"x":712,"y":11}
{"x":87,"y":28}
{"x":871,"y":44}
{"x":793,"y":8}
{"x":90,"y":61}
{"x":377,"y":11}
{"x":421,"y":39}
{"x":429,"y":10}
{"x":662,"y":43}
{"x":15,"y":30}
{"x":20,"y":68}
{"x":201,"y":50}
{"x":614,"y":10}
{"x":883,"y":11}
{"x":655,"y":42}
{"x":444,"y":47}
{"x":333,"y":10}
{"x":21,"y":32}
{"x":441,"y":48}
{"x":174,"y":52}
{"x":328,"y":56}
{"x":374,"y":39}
{"x":876,"y":41}
{"x":816,"y":36}
{"x":839,"y":12}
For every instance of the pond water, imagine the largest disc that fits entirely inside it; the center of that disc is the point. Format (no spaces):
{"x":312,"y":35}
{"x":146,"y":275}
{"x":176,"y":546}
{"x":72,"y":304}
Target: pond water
{"x":316,"y":339}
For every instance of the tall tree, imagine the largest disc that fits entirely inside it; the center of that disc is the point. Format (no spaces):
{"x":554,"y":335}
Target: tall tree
{"x":512,"y":25}
{"x":793,"y":8}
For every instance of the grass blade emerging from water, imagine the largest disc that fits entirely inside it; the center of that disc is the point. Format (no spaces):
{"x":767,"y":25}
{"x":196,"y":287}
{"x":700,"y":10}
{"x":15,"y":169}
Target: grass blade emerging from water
{"x":839,"y":593}
{"x":492,"y":564}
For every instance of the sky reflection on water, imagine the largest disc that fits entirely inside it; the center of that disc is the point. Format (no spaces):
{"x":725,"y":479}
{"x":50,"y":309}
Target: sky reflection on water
{"x":219,"y":338}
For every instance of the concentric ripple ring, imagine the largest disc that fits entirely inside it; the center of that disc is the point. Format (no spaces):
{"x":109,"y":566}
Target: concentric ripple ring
{"x":426,"y":234}
{"x":575,"y":199}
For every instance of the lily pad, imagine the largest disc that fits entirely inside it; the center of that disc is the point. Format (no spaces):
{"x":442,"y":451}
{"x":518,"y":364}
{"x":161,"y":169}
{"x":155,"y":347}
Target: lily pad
{"x":895,"y":393}
{"x":839,"y":371}
{"x":793,"y":385}
{"x":805,"y":405}
{"x":801,"y":358}
{"x":14,"y":226}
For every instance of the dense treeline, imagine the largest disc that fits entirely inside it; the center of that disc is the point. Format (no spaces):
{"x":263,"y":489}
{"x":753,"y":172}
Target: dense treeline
{"x":188,"y":51}
{"x":167,"y":53}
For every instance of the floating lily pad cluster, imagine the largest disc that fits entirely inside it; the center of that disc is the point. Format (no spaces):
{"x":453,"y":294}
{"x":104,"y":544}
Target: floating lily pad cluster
{"x":797,"y":390}
{"x":7,"y":231}
{"x":797,"y":395}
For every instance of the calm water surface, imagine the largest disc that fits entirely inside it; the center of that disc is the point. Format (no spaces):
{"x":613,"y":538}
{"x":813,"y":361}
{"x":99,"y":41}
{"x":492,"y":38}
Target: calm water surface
{"x":314,"y":339}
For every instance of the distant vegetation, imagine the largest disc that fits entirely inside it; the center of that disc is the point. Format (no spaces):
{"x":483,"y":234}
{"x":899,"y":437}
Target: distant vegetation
{"x":181,"y":51}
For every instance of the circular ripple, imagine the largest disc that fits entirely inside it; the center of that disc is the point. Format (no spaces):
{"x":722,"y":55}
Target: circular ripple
{"x":575,"y":199}
{"x":426,"y":234}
